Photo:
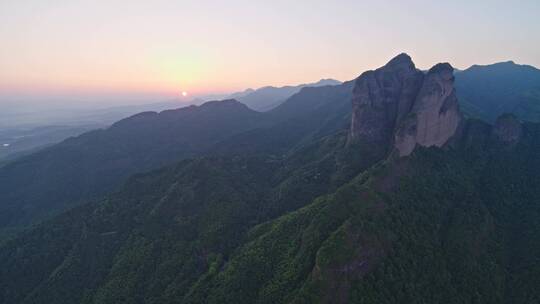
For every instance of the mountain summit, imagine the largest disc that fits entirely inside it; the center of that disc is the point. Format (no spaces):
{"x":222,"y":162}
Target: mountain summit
{"x":397,"y":107}
{"x":487,"y":91}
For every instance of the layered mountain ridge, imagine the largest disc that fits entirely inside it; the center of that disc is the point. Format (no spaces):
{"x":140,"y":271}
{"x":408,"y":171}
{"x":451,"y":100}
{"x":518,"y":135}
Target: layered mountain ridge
{"x":40,"y":185}
{"x":269,"y":97}
{"x":332,"y":216}
{"x":395,"y":108}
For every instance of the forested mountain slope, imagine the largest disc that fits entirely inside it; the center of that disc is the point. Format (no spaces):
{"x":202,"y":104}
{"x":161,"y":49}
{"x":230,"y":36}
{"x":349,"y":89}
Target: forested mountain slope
{"x":454,"y":226}
{"x":424,"y":206}
{"x":181,"y":216}
{"x":487,"y":91}
{"x":42,"y":184}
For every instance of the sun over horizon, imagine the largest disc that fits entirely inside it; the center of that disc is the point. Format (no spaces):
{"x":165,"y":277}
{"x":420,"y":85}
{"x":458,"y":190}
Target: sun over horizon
{"x":87,"y":50}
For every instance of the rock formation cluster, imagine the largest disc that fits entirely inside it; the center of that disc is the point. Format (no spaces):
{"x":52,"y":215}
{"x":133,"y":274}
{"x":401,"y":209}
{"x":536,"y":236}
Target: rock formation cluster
{"x":397,"y":107}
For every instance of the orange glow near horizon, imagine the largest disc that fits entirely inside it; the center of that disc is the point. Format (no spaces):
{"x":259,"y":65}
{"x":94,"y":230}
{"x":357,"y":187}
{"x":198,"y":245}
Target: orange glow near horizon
{"x":163,"y":47}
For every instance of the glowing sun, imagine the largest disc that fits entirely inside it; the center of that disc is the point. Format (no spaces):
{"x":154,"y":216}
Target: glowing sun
{"x":184,"y":93}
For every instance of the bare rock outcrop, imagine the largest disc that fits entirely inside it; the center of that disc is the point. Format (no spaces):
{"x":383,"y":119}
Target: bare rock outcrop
{"x":397,"y":107}
{"x":381,"y":99}
{"x":435,"y":116}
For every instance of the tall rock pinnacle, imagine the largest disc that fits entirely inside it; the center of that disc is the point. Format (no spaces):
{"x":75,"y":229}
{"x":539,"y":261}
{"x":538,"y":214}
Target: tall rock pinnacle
{"x":397,"y":107}
{"x":435,"y":116}
{"x":381,"y":99}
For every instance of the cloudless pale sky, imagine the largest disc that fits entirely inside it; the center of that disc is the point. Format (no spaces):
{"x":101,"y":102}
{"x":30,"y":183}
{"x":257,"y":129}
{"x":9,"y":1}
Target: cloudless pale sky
{"x":75,"y":50}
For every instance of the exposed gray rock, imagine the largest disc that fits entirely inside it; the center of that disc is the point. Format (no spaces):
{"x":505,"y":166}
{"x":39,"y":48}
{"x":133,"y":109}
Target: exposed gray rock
{"x":381,"y":99}
{"x":435,"y":115}
{"x":398,"y":107}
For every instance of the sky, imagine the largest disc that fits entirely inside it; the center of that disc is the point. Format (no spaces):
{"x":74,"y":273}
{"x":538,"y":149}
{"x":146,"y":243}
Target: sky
{"x":119,"y":52}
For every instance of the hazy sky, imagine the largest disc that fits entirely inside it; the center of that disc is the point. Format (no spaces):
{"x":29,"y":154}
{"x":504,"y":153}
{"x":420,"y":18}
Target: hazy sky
{"x":122,"y":50}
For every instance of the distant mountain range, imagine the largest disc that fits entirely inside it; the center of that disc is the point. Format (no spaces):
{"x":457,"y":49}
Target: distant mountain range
{"x":484,"y":92}
{"x":99,"y":161}
{"x":30,"y":128}
{"x":376,"y":190}
{"x":96,"y":162}
{"x":267,"y":98}
{"x":149,"y":140}
{"x":26,"y":129}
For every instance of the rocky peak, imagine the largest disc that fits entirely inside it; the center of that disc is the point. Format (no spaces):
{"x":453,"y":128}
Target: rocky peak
{"x":397,"y":107}
{"x":507,"y":129}
{"x":401,"y":59}
{"x":381,"y":99}
{"x":435,"y":116}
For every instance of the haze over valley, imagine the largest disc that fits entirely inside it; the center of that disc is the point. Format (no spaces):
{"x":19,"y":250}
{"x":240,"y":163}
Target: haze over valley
{"x":249,"y":152}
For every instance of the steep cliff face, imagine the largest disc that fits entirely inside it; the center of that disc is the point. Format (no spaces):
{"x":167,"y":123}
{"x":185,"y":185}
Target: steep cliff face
{"x":381,"y":99}
{"x":397,"y":107}
{"x":435,"y":116}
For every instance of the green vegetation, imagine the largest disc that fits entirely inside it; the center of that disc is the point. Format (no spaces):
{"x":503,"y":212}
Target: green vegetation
{"x":272,"y":208}
{"x":38,"y":186}
{"x":456,"y":226}
{"x":488,"y":91}
{"x":166,"y":230}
